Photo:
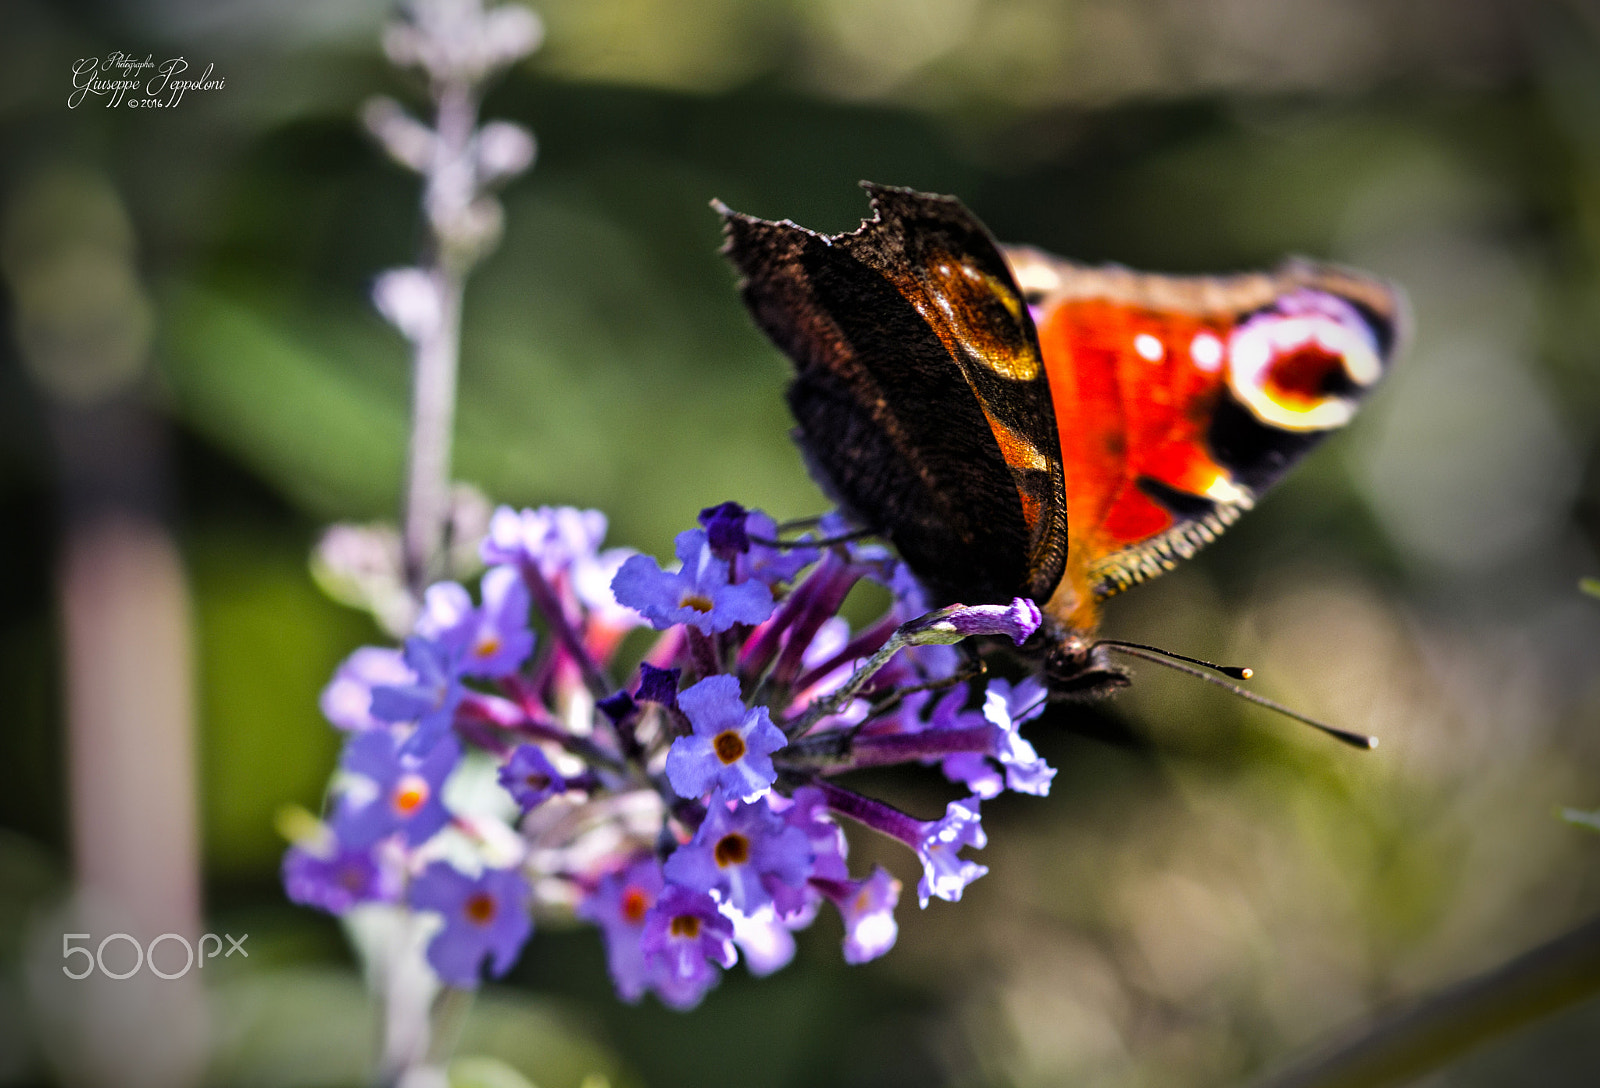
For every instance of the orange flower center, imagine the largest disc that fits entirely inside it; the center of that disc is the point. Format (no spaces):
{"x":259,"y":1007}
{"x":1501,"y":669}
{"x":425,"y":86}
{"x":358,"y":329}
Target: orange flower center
{"x":697,"y":601}
{"x":487,"y":645}
{"x":410,"y":794}
{"x":732,"y":849}
{"x":634,"y":904}
{"x":729,"y":746}
{"x":536,"y":781}
{"x":686,"y":925}
{"x":479,"y":908}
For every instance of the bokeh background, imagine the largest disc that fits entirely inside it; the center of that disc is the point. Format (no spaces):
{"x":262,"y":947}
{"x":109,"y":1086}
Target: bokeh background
{"x":1209,"y":890}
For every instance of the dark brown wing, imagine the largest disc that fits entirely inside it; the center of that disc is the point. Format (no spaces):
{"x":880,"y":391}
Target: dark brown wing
{"x":919,"y":388}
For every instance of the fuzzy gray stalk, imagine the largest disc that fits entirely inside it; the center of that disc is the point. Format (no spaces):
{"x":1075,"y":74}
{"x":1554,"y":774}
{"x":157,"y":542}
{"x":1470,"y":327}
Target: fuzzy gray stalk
{"x":458,"y":46}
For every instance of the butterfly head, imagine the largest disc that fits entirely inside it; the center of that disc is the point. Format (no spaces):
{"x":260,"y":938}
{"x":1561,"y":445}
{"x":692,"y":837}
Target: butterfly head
{"x":1073,"y":667}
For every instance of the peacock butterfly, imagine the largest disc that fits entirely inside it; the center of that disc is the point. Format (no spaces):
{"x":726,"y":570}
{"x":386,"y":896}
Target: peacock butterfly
{"x":1020,"y":425}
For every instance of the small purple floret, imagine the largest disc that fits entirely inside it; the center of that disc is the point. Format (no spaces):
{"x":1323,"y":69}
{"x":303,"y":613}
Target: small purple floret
{"x":347,"y":700}
{"x":530,"y":777}
{"x":485,"y":919}
{"x":725,"y":529}
{"x":767,"y":943}
{"x":657,"y":685}
{"x":553,"y":538}
{"x":944,"y":873}
{"x":769,"y":564}
{"x":489,"y":641}
{"x":731,"y":747}
{"x":619,"y":905}
{"x":807,"y":810}
{"x":867,"y":907}
{"x":430,"y":700}
{"x":687,"y":938}
{"x":402,"y":793}
{"x":337,"y":880}
{"x":742,"y":854}
{"x":1007,"y":709}
{"x":1016,"y":621}
{"x":700,"y":594}
{"x":618,"y":706}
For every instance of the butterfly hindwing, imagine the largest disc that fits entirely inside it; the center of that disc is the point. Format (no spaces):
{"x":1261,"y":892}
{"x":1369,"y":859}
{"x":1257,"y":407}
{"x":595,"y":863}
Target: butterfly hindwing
{"x":919,"y":388}
{"x":1180,"y":400}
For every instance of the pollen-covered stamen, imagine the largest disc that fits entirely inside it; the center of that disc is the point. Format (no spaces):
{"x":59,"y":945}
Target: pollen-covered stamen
{"x":635,"y":903}
{"x":487,"y":646}
{"x":697,"y":601}
{"x":411,"y":792}
{"x":729,"y":746}
{"x":479,"y":908}
{"x":732,"y":849}
{"x":685,"y":926}
{"x":536,"y":781}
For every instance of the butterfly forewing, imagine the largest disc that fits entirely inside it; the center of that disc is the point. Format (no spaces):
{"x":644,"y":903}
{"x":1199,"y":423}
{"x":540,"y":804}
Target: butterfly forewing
{"x":919,"y":388}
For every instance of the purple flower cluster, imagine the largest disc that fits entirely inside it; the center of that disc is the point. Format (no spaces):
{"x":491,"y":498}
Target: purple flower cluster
{"x":691,"y":813}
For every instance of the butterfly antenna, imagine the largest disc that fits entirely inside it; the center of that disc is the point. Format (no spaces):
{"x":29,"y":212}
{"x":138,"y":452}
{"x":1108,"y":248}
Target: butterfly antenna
{"x":1234,"y":672}
{"x":1176,"y":661}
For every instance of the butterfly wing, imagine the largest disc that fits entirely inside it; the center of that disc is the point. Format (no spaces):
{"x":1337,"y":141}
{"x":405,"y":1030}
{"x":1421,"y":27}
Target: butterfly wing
{"x":1179,"y":400}
{"x":919,"y":388}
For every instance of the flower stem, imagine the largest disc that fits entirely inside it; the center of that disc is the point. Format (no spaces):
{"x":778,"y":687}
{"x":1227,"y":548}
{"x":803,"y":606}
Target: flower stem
{"x":450,"y":1010}
{"x":548,"y":604}
{"x":438,"y":352}
{"x":840,"y":698}
{"x":881,"y":817}
{"x":433,"y":408}
{"x":843,"y":750}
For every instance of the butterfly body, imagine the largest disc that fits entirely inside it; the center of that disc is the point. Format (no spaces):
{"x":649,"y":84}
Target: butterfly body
{"x":1021,"y":425}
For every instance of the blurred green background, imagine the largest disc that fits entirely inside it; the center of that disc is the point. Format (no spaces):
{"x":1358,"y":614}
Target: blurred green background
{"x":1208,"y":890}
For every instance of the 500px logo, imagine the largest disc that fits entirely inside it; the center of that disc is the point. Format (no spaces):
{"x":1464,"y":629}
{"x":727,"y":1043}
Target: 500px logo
{"x":195,"y":955}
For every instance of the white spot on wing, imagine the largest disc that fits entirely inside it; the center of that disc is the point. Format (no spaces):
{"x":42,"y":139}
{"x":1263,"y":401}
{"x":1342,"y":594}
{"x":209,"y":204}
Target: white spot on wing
{"x":1206,"y":351}
{"x":1148,"y":347}
{"x":1224,"y":490}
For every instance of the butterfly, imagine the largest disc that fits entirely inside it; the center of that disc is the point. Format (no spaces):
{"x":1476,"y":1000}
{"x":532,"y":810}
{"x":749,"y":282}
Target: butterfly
{"x":1017,"y":424}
